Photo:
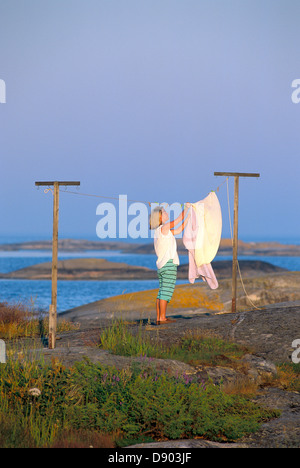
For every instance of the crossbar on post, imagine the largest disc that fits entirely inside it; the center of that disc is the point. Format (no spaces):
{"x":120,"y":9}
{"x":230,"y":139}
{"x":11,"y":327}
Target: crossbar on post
{"x":53,"y":305}
{"x":236,"y":176}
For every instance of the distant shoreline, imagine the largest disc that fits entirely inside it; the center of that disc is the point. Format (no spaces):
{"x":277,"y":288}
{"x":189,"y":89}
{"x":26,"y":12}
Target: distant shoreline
{"x":76,"y":245}
{"x":100,"y":269}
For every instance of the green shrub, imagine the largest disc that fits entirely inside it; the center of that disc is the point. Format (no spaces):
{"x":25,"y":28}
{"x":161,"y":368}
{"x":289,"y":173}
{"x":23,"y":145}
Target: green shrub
{"x":195,"y":347}
{"x":39,"y":403}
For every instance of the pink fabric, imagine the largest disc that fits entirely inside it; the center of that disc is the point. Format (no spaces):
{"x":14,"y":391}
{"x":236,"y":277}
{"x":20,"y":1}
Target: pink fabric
{"x":193,"y":229}
{"x":204,"y":271}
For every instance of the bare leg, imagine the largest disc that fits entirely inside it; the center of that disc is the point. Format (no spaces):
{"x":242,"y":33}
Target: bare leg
{"x":163,"y":309}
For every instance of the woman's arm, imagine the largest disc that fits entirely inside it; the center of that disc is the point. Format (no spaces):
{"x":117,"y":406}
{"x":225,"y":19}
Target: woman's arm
{"x":180,"y":217}
{"x":170,"y":225}
{"x":181,"y":227}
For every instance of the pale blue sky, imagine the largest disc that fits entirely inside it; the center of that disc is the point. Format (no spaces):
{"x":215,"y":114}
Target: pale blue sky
{"x":148,"y":98}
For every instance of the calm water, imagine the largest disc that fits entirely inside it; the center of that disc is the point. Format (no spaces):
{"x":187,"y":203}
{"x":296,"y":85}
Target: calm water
{"x":69,"y":293}
{"x":75,"y":293}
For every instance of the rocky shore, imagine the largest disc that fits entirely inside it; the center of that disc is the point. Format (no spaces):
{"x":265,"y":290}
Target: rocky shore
{"x":267,"y":327}
{"x":101,"y":269}
{"x":268,"y":332}
{"x":267,"y":322}
{"x":82,"y":269}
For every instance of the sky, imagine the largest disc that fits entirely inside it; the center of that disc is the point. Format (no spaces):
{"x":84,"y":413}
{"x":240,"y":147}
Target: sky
{"x":149,"y":98}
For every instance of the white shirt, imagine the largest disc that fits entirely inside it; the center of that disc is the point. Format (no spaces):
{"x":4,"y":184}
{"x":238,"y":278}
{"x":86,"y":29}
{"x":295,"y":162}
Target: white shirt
{"x":165,"y":248}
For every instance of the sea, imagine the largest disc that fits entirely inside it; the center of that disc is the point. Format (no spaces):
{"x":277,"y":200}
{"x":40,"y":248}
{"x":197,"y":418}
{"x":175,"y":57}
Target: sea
{"x":36,"y":294}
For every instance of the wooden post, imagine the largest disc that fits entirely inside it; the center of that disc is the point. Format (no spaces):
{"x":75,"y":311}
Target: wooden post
{"x":236,"y":176}
{"x":53,"y":305}
{"x":235,"y":243}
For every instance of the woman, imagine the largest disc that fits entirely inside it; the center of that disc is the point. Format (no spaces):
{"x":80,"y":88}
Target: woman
{"x":167,"y":258}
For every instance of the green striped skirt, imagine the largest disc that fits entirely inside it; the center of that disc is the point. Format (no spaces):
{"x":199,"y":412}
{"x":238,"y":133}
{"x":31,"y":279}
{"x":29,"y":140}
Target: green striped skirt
{"x":167,"y":279}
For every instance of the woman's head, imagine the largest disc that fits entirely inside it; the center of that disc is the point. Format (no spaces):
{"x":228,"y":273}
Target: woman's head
{"x":158,"y":217}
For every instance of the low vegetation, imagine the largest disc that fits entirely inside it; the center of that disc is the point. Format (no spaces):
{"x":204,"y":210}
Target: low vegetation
{"x":86,"y":404}
{"x":195,"y":346}
{"x":22,"y":321}
{"x":288,"y":376}
{"x":51,"y":405}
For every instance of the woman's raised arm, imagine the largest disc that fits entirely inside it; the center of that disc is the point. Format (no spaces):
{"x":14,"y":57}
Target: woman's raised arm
{"x":181,"y":217}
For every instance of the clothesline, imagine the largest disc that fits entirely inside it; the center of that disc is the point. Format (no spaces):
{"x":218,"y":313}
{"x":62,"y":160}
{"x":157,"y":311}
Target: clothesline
{"x":147,"y":202}
{"x":117,"y":198}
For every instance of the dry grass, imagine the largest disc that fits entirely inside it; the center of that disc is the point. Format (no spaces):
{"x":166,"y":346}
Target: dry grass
{"x":12,"y":313}
{"x":20,"y":321}
{"x":241,"y":386}
{"x":288,"y":377}
{"x":83,"y":439}
{"x":16,"y":320}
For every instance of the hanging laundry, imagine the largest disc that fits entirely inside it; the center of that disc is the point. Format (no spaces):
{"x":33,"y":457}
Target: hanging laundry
{"x":202,"y":236}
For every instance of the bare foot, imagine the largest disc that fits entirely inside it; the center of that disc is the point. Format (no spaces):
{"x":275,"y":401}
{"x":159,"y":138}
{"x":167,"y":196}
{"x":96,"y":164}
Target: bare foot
{"x":167,"y":320}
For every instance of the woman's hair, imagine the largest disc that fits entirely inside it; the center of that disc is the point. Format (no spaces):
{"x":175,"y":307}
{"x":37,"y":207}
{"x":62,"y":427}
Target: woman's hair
{"x":155,"y":217}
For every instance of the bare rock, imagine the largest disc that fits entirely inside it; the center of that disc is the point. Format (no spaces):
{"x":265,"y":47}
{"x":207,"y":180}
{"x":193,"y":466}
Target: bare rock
{"x":259,"y":369}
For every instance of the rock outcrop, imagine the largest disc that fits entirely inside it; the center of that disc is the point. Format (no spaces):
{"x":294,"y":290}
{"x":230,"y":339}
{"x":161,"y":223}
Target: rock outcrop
{"x":102,"y":269}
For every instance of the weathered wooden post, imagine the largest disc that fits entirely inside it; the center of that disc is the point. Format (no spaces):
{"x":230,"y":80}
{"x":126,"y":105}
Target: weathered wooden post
{"x":53,"y":305}
{"x":236,"y":176}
